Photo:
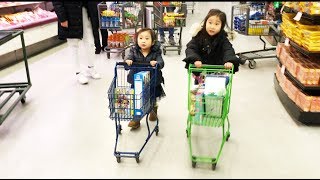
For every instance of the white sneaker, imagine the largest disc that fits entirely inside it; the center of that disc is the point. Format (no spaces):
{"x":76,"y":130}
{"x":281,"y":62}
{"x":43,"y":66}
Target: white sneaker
{"x":93,"y":73}
{"x":82,"y":79}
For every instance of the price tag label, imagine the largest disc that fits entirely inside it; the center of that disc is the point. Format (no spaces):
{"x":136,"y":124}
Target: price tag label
{"x":281,"y":10}
{"x":283,"y":69}
{"x":298,"y":16}
{"x":286,"y":42}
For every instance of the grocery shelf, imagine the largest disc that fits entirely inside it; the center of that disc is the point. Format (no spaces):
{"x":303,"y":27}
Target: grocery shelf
{"x":312,"y":90}
{"x":307,"y":89}
{"x":309,"y":118}
{"x":304,"y":50}
{"x":315,"y":19}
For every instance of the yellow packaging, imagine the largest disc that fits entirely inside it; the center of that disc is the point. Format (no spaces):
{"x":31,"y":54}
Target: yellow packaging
{"x":309,"y":27}
{"x":312,"y":11}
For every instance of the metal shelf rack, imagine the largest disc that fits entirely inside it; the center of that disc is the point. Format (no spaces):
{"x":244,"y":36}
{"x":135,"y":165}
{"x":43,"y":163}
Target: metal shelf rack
{"x":17,"y":87}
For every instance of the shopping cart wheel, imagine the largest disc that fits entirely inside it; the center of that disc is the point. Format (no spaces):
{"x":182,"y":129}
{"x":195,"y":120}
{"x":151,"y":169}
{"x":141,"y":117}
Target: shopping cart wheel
{"x":214,"y":164}
{"x":123,"y":55}
{"x":192,"y":11}
{"x":187,"y":132}
{"x":193,"y":161}
{"x":137,"y":159}
{"x":179,"y":52}
{"x":194,"y":164}
{"x":119,"y":129}
{"x":108,"y":55}
{"x":23,"y":100}
{"x":118,"y":159}
{"x":157,"y":130}
{"x":252,"y":64}
{"x":228,"y":135}
{"x":164,"y":52}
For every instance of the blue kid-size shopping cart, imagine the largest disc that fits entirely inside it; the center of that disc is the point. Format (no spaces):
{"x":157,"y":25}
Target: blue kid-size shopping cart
{"x":132,"y":96}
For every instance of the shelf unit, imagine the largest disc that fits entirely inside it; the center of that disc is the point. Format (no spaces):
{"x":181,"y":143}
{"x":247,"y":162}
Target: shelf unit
{"x":307,"y":89}
{"x":311,"y":90}
{"x":308,"y":118}
{"x":13,"y":88}
{"x":314,"y":19}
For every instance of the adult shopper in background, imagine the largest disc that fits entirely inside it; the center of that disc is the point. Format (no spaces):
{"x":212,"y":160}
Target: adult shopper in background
{"x":74,"y":25}
{"x":93,"y":15}
{"x":171,"y":29}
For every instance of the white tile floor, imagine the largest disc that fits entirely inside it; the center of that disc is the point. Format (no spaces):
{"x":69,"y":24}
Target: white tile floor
{"x":63,"y":130}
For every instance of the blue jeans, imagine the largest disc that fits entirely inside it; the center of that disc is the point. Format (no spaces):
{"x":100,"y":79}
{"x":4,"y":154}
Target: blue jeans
{"x":171,"y":31}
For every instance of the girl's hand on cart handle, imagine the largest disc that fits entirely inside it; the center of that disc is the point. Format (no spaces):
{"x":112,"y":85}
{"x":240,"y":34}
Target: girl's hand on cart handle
{"x":228,"y":65}
{"x":129,"y":62}
{"x":198,"y":64}
{"x":64,"y":24}
{"x":153,"y":62}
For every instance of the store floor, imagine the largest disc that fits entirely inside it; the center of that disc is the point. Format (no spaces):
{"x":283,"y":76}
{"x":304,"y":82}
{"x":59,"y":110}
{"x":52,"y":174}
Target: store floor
{"x":63,"y":130}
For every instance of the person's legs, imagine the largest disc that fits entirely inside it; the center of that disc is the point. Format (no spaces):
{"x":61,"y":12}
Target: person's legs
{"x":171,"y":37}
{"x":171,"y":31}
{"x":73,"y":45}
{"x":87,"y":44}
{"x":104,"y":37}
{"x":97,"y":43}
{"x":161,"y":33}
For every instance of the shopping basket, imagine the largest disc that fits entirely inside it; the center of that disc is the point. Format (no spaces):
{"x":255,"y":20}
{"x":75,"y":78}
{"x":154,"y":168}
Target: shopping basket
{"x":207,"y":109}
{"x":132,"y":101}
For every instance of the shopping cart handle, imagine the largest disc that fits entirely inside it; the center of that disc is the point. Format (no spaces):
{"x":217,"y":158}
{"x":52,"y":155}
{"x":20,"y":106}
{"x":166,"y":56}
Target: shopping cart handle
{"x":144,"y":64}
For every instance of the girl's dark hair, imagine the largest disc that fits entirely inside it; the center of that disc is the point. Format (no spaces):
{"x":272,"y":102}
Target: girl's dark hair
{"x":216,"y":12}
{"x":153,"y":35}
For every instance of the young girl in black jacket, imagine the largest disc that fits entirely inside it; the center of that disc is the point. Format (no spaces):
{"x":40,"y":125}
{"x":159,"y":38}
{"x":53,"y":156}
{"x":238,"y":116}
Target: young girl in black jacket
{"x":147,"y":49}
{"x":210,"y":45}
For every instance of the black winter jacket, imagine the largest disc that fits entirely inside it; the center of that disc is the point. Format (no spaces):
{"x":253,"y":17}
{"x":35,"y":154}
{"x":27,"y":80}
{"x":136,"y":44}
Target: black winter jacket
{"x":136,"y":56}
{"x":215,"y":50}
{"x":71,"y":11}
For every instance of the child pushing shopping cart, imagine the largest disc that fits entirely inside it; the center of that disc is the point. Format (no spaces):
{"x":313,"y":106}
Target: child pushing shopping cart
{"x":131,"y":102}
{"x":136,"y":87}
{"x":211,"y":62}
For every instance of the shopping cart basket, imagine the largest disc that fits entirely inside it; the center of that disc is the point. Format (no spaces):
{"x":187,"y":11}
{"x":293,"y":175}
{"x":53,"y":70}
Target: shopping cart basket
{"x":208,"y":110}
{"x":132,"y":101}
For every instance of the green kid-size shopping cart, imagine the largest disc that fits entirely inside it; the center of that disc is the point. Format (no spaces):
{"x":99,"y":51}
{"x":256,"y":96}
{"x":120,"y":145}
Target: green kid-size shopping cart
{"x":208,"y":104}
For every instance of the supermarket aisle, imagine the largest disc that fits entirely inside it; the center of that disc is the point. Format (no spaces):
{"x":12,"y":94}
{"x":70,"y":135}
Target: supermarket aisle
{"x":63,"y":131}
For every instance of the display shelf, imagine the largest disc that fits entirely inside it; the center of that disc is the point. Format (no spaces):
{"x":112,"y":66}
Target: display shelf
{"x":15,"y":4}
{"x":27,"y":25}
{"x":22,"y":7}
{"x":36,"y":40}
{"x":314,"y":19}
{"x":312,"y":90}
{"x":304,"y":50}
{"x":294,"y":111}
